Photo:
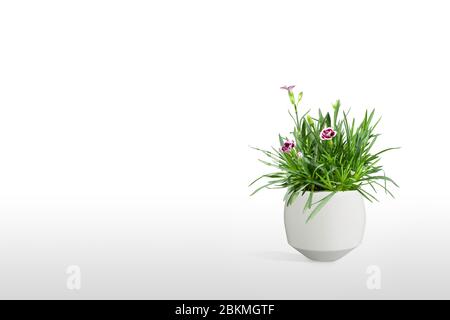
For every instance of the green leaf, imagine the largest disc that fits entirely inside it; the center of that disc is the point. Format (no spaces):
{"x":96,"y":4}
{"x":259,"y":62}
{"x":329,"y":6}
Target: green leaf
{"x":280,"y":138}
{"x":328,"y":120}
{"x":321,"y":204}
{"x":300,"y":96}
{"x":367,"y":195}
{"x":380,"y":177}
{"x":264,"y":186}
{"x":293,"y":196}
{"x":383,"y":151}
{"x":336,"y":107}
{"x":308,"y":203}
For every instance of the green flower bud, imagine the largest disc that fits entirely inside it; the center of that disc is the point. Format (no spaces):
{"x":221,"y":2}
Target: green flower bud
{"x":300,"y":96}
{"x":291,"y":97}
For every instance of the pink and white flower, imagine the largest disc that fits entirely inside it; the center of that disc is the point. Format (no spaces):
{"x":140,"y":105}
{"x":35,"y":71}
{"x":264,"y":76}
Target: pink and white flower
{"x":300,"y":154}
{"x":327,"y":134}
{"x":288,"y":145}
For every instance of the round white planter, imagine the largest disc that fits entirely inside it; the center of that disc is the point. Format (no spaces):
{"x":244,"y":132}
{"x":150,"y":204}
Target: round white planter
{"x":333,"y":232}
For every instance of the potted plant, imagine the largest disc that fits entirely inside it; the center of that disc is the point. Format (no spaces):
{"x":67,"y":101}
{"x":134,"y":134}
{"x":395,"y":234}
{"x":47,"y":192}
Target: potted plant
{"x":327,"y":168}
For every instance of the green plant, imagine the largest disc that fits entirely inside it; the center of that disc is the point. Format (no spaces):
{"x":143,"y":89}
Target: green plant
{"x":327,"y":153}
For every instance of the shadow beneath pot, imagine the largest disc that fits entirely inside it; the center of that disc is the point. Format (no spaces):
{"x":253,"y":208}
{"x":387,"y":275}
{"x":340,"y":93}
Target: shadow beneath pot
{"x":282,"y":256}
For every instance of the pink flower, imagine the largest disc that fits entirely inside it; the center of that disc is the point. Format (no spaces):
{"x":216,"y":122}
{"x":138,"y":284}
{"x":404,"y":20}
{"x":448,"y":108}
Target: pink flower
{"x":288,"y":145}
{"x":327,"y":134}
{"x":300,"y":154}
{"x":288,"y":88}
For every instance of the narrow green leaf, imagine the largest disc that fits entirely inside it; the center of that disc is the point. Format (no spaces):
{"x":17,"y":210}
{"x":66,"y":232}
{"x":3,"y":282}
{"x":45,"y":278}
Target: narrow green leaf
{"x":321,"y":204}
{"x":300,"y":96}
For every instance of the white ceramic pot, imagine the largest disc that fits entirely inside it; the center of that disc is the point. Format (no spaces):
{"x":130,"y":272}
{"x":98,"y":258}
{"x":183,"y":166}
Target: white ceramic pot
{"x":333,"y":232}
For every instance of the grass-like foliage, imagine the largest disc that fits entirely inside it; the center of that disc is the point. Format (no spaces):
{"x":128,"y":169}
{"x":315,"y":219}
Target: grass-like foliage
{"x":330,"y":152}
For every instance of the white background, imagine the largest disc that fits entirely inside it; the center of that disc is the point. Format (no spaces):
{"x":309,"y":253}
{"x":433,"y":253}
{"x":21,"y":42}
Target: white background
{"x":124,"y":145}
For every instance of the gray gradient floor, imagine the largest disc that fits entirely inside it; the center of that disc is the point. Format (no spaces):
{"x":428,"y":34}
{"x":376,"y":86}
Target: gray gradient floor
{"x":128,"y":248}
